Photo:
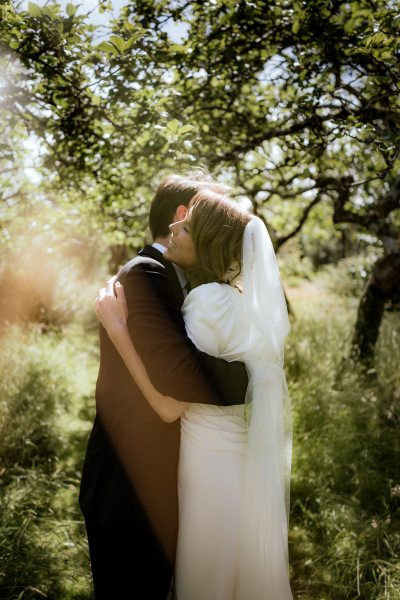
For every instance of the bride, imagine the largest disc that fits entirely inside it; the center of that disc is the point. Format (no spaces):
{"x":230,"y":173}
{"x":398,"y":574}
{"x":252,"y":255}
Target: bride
{"x":234,"y":464}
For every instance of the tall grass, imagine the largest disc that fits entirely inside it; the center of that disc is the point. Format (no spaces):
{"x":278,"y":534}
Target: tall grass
{"x":46,"y":381}
{"x":345,"y":519}
{"x":345,"y":507}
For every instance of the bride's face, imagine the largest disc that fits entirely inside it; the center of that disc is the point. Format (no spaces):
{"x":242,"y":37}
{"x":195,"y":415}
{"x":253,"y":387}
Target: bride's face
{"x":180,"y":248}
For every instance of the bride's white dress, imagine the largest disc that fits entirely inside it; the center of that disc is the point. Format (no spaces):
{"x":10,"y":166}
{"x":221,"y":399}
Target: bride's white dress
{"x":213,"y":461}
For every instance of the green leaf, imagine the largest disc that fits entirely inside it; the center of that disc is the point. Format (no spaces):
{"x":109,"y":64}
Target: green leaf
{"x":50,"y":11}
{"x":176,"y":48}
{"x":16,"y":33}
{"x":118,"y":42}
{"x":143,"y":138}
{"x":74,"y":38}
{"x":14,"y":44}
{"x":96,"y":100}
{"x":71,"y":9}
{"x":134,"y":38}
{"x":104,"y":6}
{"x":173,"y":126}
{"x":375,"y":40}
{"x":106,"y":47}
{"x":185,"y":129}
{"x":296,"y":25}
{"x":355,"y":51}
{"x":60,"y":101}
{"x":324,"y":12}
{"x":34,"y":10}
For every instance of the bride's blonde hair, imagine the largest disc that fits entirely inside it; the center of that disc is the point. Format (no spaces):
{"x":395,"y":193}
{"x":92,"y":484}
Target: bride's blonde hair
{"x":216,"y":225}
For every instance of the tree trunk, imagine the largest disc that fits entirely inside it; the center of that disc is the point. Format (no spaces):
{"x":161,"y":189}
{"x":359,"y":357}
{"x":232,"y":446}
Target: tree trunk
{"x":382,"y":285}
{"x":369,"y":317}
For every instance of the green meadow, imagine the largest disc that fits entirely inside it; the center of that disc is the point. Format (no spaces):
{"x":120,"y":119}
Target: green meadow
{"x":345,"y":490}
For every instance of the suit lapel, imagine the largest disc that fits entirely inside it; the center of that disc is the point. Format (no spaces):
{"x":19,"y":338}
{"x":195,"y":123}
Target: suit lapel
{"x":152,"y":252}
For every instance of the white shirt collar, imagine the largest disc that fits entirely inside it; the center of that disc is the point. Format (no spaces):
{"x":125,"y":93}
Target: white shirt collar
{"x":159,"y":247}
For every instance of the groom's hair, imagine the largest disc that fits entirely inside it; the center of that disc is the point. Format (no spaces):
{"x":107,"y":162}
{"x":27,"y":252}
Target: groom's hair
{"x":173,"y":191}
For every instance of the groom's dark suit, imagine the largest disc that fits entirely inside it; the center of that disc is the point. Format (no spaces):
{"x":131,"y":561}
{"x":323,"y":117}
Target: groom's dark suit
{"x":129,"y":481}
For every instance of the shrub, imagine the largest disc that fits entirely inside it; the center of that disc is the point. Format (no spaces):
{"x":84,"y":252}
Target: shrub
{"x":45,"y":381}
{"x":349,"y":277}
{"x":32,"y":392}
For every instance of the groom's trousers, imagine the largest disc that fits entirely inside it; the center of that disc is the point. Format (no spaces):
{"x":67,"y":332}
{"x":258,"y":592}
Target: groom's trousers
{"x":127,"y":558}
{"x":127,"y":564}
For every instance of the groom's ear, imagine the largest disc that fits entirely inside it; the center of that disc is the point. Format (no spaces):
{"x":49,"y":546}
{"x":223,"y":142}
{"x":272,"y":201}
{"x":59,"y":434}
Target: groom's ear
{"x":181,"y":212}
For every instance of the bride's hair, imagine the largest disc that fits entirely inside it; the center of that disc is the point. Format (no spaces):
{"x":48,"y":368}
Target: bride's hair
{"x":216,"y":226}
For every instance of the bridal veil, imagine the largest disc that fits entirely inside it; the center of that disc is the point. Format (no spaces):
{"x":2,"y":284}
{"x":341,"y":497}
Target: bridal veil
{"x":264,"y":528}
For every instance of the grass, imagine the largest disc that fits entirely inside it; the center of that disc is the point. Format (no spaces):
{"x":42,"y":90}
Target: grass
{"x":345,"y":525}
{"x":45,"y":390}
{"x":345,"y":501}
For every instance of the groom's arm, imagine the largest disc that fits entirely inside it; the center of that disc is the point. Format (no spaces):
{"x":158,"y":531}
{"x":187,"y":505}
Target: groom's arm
{"x":175,"y":366}
{"x":229,"y":379}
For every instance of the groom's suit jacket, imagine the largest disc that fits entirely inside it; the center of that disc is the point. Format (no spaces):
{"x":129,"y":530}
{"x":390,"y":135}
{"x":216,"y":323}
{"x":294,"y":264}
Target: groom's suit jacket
{"x":132,"y":456}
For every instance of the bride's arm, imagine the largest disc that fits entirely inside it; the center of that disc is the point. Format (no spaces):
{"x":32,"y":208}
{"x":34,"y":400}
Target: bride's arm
{"x":112,"y":313}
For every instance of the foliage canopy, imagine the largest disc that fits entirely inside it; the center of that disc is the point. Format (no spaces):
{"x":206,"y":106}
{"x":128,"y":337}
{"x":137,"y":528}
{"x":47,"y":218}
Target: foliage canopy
{"x":294,"y":103}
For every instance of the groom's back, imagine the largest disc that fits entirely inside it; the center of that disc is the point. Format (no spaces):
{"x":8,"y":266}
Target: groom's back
{"x":132,"y":455}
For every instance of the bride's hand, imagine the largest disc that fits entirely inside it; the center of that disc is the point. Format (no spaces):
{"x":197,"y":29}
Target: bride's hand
{"x":111,"y":308}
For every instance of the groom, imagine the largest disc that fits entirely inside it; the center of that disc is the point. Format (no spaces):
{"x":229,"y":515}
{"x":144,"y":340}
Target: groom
{"x":129,"y":481}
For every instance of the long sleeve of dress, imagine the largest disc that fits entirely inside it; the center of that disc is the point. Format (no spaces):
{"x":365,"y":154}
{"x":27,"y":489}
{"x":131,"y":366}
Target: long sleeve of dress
{"x":215,"y":320}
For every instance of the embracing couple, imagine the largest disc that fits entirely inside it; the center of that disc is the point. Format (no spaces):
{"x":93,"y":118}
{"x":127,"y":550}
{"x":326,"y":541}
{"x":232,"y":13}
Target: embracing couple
{"x":187,"y":468}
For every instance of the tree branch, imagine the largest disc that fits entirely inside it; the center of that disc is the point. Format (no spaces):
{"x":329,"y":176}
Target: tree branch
{"x":280,"y":240}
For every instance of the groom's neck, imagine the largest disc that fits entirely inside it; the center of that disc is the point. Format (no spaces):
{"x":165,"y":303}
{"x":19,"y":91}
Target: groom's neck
{"x":162,"y":240}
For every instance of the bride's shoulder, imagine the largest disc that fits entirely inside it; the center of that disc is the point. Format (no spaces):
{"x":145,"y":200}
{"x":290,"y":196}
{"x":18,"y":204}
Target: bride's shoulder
{"x":213,"y":300}
{"x":213,"y":292}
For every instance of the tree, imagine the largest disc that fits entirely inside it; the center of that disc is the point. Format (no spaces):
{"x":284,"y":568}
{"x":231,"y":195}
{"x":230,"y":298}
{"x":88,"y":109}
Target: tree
{"x":66,"y":87}
{"x":295,"y":103}
{"x":301,"y":102}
